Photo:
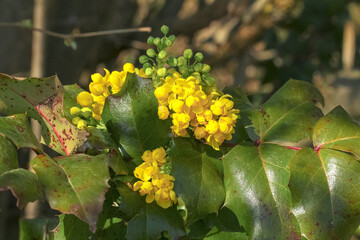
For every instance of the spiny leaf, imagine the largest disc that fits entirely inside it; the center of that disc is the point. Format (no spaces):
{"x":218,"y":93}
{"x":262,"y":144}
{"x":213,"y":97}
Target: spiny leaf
{"x":325,"y":192}
{"x":26,"y":190}
{"x":152,"y":221}
{"x":198,"y":178}
{"x":41,"y":99}
{"x":288,"y":116}
{"x":256,"y":181}
{"x":131,"y":117}
{"x":337,"y":130}
{"x":17,"y":129}
{"x":74,"y":184}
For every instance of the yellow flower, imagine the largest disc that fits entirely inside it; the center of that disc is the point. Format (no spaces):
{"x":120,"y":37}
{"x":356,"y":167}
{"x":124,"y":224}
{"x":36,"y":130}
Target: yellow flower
{"x":117,"y":80}
{"x":163,"y":112}
{"x":200,"y":132}
{"x":85,"y":99}
{"x":159,"y":155}
{"x":128,"y":67}
{"x":75,"y":110}
{"x":146,"y":171}
{"x":147,"y":156}
{"x":177,"y":105}
{"x":165,"y":198}
{"x":212,"y":127}
{"x":141,"y":73}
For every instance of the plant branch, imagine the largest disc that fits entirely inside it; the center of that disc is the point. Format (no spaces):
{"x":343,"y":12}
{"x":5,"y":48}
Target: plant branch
{"x":74,"y":35}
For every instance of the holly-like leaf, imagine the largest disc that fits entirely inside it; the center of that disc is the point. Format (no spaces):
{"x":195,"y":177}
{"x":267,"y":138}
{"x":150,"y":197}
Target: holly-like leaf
{"x":42,"y":99}
{"x":17,"y":129}
{"x":325,"y":183}
{"x":198,"y":178}
{"x":23,"y":184}
{"x":337,"y":130}
{"x":109,"y":225}
{"x":131,"y":117}
{"x":8,"y":155}
{"x":74,"y":184}
{"x":216,"y":234}
{"x":256,"y":181}
{"x":288,"y":116}
{"x":152,"y":221}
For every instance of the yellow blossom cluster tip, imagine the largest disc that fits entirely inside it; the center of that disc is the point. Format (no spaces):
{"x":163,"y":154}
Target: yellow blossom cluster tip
{"x":211,"y":117}
{"x":154,"y":184}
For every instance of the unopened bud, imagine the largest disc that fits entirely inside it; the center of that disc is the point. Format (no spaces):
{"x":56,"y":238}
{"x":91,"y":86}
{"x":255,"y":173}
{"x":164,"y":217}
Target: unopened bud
{"x":162,"y":54}
{"x":151,"y":52}
{"x":188,"y":53}
{"x":161,"y":72}
{"x":164,"y":29}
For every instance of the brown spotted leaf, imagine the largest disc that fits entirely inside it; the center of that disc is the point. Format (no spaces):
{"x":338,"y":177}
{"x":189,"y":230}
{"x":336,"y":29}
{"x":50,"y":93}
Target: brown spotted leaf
{"x":42,"y":99}
{"x":75,"y":184}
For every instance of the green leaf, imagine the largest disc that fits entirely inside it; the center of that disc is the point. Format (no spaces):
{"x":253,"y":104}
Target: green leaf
{"x":17,"y":129}
{"x":131,"y":202}
{"x":256,"y":181}
{"x":198,"y":178}
{"x":23,"y":184}
{"x":337,"y":130}
{"x":324,"y":187}
{"x":216,"y":234}
{"x":152,"y":221}
{"x":70,"y":227}
{"x":42,"y":99}
{"x":289,"y":115}
{"x":74,"y":184}
{"x":131,"y":117}
{"x":109,"y":226}
{"x":36,"y":228}
{"x":8,"y":155}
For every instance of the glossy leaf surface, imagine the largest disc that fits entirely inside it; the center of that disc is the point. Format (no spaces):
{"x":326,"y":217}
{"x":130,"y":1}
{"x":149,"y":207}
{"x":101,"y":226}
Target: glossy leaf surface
{"x":74,"y":184}
{"x":198,"y":178}
{"x":132,"y":117}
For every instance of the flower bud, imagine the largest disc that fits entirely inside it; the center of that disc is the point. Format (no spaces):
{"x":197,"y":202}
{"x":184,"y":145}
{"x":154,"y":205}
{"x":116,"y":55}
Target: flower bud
{"x":172,"y":38}
{"x":161,"y":72}
{"x":85,"y":99}
{"x":149,"y":71}
{"x":199,"y":57}
{"x":151,"y":52}
{"x":198,"y":67}
{"x":150,"y":40}
{"x":86,"y":112}
{"x":81,"y":124}
{"x":172,"y":61}
{"x":74,"y":111}
{"x":75,"y":120}
{"x":206,"y":68}
{"x":162,"y":54}
{"x":147,"y":65}
{"x":164,"y":29}
{"x":181,"y":61}
{"x":157,"y":41}
{"x":188,"y":53}
{"x":143,"y":59}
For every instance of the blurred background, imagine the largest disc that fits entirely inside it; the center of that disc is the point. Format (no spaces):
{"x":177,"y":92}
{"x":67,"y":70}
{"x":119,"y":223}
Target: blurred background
{"x":254,"y":44}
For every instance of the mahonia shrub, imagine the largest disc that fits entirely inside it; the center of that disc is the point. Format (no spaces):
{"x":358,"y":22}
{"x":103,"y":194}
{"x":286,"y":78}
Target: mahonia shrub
{"x":157,"y":151}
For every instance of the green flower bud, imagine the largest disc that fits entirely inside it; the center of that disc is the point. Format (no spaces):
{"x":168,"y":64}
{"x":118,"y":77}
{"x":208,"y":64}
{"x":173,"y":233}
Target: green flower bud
{"x":162,"y":54}
{"x":206,"y":68}
{"x":183,"y":69}
{"x":143,"y":59}
{"x":168,"y":43}
{"x":172,"y":61}
{"x":150,"y":40}
{"x":161,"y":72}
{"x":151,"y":52}
{"x":181,"y":61}
{"x":163,"y":41}
{"x":198,"y":67}
{"x":172,"y":38}
{"x":188,"y":53}
{"x":199,"y":57}
{"x":157,"y":41}
{"x":149,"y":71}
{"x":164,"y":29}
{"x":147,"y":65}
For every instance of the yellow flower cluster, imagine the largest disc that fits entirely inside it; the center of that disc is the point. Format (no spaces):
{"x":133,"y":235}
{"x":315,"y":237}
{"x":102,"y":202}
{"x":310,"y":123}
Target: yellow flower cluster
{"x":211,"y":117}
{"x":101,"y":87}
{"x":154,"y":184}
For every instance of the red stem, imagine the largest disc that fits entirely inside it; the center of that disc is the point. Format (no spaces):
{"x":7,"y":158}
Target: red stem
{"x":52,"y":126}
{"x":293,"y":148}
